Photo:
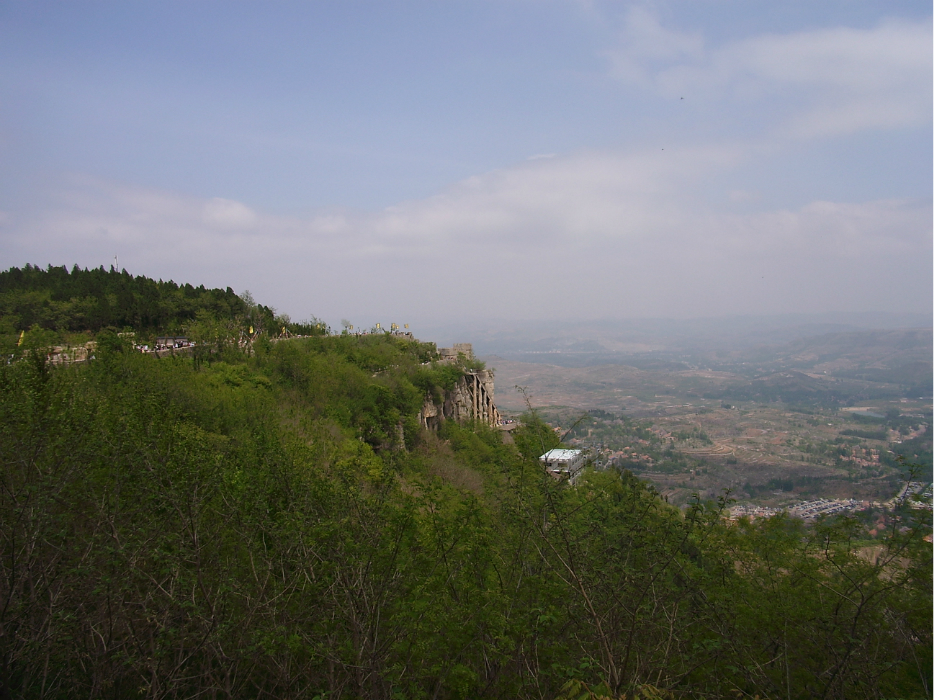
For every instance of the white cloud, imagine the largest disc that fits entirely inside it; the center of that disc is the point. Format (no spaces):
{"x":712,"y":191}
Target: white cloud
{"x":694,"y":229}
{"x":225,"y":213}
{"x":588,"y":235}
{"x":645,"y":46}
{"x":857,"y":59}
{"x":816,"y":82}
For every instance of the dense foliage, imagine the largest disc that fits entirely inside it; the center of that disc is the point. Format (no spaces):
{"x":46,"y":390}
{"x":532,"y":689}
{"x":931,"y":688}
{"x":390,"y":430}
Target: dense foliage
{"x":278,"y":525}
{"x":54,"y":304}
{"x":56,"y":299}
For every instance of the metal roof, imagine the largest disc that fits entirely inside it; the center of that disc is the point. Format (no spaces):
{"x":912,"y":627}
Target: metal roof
{"x":558,"y":455}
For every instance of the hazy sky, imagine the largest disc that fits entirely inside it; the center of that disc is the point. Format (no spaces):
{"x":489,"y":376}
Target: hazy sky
{"x":425,"y":161}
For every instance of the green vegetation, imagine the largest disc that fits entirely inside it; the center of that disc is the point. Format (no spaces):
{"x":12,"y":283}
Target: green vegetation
{"x":696,"y":436}
{"x":56,"y":299}
{"x":276,"y":523}
{"x":867,"y":434}
{"x":54,"y":306}
{"x":642,"y":447}
{"x":803,"y":483}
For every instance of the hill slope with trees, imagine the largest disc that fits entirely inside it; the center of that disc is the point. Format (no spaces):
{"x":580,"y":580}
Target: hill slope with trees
{"x":59,"y":306}
{"x":277,"y":524}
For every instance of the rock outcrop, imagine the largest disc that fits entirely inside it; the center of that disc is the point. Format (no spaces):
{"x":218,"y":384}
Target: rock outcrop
{"x":471,"y":398}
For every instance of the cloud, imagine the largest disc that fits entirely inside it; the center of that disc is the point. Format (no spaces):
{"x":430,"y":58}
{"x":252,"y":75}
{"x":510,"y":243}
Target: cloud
{"x":645,"y":47}
{"x":225,"y":213}
{"x":820,"y":82}
{"x":586,"y":235}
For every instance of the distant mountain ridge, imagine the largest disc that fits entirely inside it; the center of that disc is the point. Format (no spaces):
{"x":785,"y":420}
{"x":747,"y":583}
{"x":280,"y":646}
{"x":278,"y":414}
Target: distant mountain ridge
{"x":828,"y":369}
{"x":633,"y":336}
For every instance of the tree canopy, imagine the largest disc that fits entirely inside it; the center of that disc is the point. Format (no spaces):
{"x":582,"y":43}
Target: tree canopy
{"x":278,"y":524}
{"x":55,"y":298}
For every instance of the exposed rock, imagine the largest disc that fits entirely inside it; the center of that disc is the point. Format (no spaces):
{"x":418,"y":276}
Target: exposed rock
{"x":470,"y":399}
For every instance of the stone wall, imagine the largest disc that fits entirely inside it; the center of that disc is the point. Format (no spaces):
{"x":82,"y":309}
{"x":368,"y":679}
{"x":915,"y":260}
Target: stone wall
{"x":450,"y":354}
{"x":472,"y":398}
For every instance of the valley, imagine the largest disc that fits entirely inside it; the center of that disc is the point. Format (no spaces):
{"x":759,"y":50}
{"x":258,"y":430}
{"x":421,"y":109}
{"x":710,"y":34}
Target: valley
{"x":839,"y":415}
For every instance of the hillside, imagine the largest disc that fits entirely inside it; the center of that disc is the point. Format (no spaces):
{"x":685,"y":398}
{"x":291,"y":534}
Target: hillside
{"x":53,"y":305}
{"x":274,"y":521}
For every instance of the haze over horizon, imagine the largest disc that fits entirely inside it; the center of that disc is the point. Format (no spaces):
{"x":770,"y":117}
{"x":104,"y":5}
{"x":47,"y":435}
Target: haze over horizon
{"x":422,"y":162}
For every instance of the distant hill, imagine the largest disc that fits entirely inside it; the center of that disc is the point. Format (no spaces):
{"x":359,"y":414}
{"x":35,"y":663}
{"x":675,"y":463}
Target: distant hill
{"x":894,"y":357}
{"x":829,"y":369}
{"x":851,"y":349}
{"x":614,"y":339}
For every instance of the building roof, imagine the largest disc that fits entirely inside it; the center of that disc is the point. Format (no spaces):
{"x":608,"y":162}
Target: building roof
{"x":558,"y":455}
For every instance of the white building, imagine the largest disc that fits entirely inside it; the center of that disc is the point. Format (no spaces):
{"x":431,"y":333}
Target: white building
{"x":564,"y":464}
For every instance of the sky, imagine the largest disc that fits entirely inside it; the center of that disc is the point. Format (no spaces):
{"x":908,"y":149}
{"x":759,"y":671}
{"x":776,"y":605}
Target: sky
{"x":424,"y":162}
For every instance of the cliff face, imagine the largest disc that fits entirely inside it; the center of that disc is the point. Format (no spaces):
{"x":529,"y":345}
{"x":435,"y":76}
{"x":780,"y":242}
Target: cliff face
{"x":470,"y":399}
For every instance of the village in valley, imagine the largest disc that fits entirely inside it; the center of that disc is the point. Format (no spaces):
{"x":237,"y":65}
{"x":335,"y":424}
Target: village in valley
{"x":768,"y":437}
